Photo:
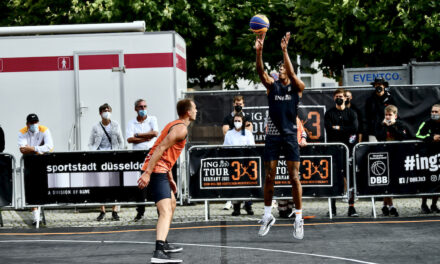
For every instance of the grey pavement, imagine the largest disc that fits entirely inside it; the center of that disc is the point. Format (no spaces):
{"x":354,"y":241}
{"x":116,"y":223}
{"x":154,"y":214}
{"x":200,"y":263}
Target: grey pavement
{"x":86,"y":217}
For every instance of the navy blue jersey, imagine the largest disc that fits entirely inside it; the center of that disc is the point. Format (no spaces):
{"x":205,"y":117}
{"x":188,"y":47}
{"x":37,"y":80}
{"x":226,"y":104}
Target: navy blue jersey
{"x":283,"y":107}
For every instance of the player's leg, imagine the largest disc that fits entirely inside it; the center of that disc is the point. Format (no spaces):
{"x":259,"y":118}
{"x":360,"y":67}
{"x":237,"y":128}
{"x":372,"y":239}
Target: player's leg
{"x":268,"y":219}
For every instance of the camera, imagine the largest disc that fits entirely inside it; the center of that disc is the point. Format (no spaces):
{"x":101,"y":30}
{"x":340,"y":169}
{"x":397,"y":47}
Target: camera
{"x":379,"y":89}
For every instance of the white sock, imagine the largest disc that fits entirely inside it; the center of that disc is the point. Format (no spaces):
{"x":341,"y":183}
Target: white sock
{"x":298,"y":214}
{"x":267,"y":211}
{"x":391,"y":206}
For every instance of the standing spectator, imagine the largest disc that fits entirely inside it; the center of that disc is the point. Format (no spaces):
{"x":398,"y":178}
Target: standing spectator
{"x":341,"y":126}
{"x":228,"y":124}
{"x":375,"y":105}
{"x":34,"y":139}
{"x":142,"y":132}
{"x":228,"y":121}
{"x":240,"y":136}
{"x":106,"y":135}
{"x":2,"y":140}
{"x":390,"y":129}
{"x":349,"y":104}
{"x":429,"y":131}
{"x":285,"y":207}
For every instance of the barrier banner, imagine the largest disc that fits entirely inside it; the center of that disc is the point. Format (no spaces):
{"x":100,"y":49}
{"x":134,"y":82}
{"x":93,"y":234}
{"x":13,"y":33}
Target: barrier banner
{"x":397,"y":168}
{"x":83,"y":177}
{"x":238,"y":172}
{"x":6,"y":171}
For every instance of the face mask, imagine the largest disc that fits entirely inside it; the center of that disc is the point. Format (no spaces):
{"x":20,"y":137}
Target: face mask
{"x":347,"y":102}
{"x":33,"y":128}
{"x":339,"y":101}
{"x":142,"y":113}
{"x":238,"y":108}
{"x":238,"y":125}
{"x":106,"y":115}
{"x":435,"y":117}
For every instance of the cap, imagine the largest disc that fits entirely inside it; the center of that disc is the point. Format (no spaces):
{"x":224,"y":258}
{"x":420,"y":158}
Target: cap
{"x":380,"y":80}
{"x":32,"y":118}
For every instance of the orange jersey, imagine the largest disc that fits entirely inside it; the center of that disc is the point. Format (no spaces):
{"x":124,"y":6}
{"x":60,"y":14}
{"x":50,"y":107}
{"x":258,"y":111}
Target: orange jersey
{"x":170,"y":156}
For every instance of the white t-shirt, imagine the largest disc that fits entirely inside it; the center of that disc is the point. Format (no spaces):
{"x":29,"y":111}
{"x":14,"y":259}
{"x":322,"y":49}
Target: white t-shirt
{"x":105,"y":143}
{"x":148,"y":125}
{"x":234,"y":137}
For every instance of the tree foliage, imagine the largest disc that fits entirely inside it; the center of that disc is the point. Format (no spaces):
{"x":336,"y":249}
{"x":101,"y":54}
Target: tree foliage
{"x":337,"y":33}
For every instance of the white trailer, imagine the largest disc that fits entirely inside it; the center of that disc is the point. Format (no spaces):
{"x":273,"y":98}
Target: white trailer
{"x":64,"y":77}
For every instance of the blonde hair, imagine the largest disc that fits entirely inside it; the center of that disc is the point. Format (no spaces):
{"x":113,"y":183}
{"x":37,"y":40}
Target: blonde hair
{"x":391,"y":108}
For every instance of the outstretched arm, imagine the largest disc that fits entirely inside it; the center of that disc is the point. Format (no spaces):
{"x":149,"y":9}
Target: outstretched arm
{"x":264,"y":77}
{"x":296,"y":82}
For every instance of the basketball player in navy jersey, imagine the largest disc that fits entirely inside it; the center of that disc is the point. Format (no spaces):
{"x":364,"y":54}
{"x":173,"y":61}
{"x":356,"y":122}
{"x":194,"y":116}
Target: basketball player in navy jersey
{"x":281,"y":133}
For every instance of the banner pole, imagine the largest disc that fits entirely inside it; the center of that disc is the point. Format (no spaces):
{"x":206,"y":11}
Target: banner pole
{"x":374,"y":207}
{"x":330,"y":213}
{"x":206,"y":210}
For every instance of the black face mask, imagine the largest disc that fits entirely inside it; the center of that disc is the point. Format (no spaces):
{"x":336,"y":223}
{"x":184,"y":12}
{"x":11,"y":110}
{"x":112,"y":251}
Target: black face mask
{"x":339,"y":101}
{"x":347,"y":102}
{"x":238,"y":108}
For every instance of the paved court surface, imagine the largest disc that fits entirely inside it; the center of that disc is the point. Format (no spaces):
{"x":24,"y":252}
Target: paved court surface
{"x":400,"y":240}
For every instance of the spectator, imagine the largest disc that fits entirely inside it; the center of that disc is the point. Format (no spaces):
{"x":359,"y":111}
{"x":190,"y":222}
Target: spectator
{"x":106,"y":135}
{"x":285,"y":207}
{"x":142,"y":132}
{"x":341,"y":126}
{"x":228,"y":124}
{"x":375,"y":105}
{"x":240,"y":136}
{"x":429,"y":131}
{"x":390,"y":129}
{"x":34,"y":139}
{"x":228,"y":121}
{"x":349,"y":104}
{"x":2,"y":140}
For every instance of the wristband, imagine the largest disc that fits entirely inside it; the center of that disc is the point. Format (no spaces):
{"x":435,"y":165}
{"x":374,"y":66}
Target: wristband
{"x":136,"y":135}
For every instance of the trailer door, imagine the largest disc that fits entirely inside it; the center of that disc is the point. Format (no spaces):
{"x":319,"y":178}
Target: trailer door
{"x":98,"y":80}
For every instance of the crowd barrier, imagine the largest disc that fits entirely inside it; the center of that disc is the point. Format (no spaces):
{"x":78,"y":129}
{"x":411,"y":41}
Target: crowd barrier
{"x":7,"y":178}
{"x":396,"y":169}
{"x":223,"y":173}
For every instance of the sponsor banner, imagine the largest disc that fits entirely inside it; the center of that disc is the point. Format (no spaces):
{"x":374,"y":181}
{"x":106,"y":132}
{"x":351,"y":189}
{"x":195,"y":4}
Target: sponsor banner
{"x":238,"y":172}
{"x":83,"y":177}
{"x":414,"y":104}
{"x":397,"y":168}
{"x":6,"y":171}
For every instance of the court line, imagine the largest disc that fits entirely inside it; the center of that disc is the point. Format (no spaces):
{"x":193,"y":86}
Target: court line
{"x":189,"y":244}
{"x":215,"y":226}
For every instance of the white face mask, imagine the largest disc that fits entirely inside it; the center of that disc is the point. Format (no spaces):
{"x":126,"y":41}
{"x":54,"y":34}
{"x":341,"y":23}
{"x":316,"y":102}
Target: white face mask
{"x":33,"y":128}
{"x":106,"y":115}
{"x":238,"y":125}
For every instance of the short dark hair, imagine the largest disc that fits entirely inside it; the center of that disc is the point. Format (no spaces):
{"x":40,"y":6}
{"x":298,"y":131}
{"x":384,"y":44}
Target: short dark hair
{"x":338,"y":91}
{"x":238,"y":98}
{"x":183,"y":106}
{"x":138,"y":101}
{"x":104,"y":106}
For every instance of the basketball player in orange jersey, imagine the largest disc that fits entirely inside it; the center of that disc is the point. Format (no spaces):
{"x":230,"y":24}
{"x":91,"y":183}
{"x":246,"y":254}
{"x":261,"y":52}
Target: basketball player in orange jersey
{"x":159,"y":179}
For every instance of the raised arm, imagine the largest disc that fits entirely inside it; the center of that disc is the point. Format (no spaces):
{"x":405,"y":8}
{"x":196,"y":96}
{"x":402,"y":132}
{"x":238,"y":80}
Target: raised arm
{"x":264,"y":77}
{"x":296,"y":82}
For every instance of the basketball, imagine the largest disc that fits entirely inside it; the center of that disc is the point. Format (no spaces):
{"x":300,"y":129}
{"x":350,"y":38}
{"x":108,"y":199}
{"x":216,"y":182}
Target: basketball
{"x":259,"y":24}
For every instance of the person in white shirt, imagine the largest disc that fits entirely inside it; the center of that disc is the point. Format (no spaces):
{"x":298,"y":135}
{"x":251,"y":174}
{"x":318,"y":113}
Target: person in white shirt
{"x":240,"y":136}
{"x":34,"y":139}
{"x":142,"y":132}
{"x":106,"y":135}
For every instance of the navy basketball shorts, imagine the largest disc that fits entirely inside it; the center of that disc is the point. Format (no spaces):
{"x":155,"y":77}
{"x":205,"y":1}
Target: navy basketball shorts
{"x":286,"y":145}
{"x":159,"y":187}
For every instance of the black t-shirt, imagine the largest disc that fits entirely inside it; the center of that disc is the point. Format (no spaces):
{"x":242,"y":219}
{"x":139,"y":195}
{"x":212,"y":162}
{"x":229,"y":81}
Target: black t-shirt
{"x":374,"y":111}
{"x":346,"y":120}
{"x":229,"y":120}
{"x":2,"y":140}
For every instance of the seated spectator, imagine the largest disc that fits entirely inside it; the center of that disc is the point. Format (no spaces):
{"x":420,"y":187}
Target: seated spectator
{"x":106,"y":135}
{"x":391,"y":129}
{"x":429,"y":131}
{"x":35,"y":139}
{"x":240,"y":136}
